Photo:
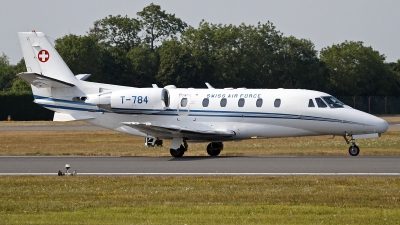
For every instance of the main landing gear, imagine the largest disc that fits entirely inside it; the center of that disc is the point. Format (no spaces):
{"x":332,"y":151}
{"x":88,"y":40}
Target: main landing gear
{"x":214,"y":148}
{"x":354,"y":150}
{"x":179,"y":151}
{"x":179,"y":146}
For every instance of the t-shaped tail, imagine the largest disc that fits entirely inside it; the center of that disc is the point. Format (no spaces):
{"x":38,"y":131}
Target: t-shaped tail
{"x":45,"y":67}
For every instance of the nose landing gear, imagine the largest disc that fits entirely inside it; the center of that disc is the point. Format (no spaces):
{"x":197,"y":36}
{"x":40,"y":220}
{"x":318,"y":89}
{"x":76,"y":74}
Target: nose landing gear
{"x":354,"y":150}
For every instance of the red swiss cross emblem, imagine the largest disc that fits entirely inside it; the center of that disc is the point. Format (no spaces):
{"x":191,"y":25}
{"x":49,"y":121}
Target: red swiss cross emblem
{"x":43,"y":56}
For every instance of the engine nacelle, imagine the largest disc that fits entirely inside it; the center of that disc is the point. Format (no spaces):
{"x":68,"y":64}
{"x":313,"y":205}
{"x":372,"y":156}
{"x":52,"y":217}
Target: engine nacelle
{"x":132,"y":101}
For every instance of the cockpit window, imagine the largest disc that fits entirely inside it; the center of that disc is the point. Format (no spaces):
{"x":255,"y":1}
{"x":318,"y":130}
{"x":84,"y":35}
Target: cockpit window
{"x":333,"y":102}
{"x":311,"y":103}
{"x":320,"y":103}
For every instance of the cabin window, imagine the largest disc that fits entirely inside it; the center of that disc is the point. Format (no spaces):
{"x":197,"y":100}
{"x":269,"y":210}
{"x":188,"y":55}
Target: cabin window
{"x":259,"y":102}
{"x":320,"y":103}
{"x":277,"y":103}
{"x":166,"y":99}
{"x":206,"y":101}
{"x":241,"y":102}
{"x":311,"y":103}
{"x":223,"y":102}
{"x":333,"y":102}
{"x":184,"y":102}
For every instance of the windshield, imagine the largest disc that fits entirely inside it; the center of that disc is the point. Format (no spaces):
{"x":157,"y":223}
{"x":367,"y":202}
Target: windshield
{"x":333,"y":102}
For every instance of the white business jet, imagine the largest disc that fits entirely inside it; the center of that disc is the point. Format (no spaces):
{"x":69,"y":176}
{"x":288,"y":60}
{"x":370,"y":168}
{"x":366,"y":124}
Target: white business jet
{"x":186,"y":114}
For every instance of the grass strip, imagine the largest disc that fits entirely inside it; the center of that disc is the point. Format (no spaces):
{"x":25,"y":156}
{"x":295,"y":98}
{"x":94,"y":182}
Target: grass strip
{"x":199,"y":200}
{"x":111,"y":143}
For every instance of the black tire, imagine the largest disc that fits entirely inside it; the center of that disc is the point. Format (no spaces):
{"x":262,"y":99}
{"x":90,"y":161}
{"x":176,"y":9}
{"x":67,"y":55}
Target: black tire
{"x":177,"y":152}
{"x":354,"y":150}
{"x":214,"y":149}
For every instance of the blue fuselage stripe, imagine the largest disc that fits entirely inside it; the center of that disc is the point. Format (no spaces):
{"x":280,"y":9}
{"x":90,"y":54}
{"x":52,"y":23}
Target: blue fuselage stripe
{"x":193,"y":113}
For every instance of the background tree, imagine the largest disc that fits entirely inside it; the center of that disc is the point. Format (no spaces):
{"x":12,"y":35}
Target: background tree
{"x":395,"y":67}
{"x":158,"y":25}
{"x":258,"y":47}
{"x":82,"y":54}
{"x":177,"y":66}
{"x":357,"y":70}
{"x":116,"y":31}
{"x":224,"y":55}
{"x":6,"y":73}
{"x":145,"y":63}
{"x":299,"y":65}
{"x":18,"y":84}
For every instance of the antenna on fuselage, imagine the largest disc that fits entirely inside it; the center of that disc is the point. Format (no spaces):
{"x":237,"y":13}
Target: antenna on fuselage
{"x":209,"y":86}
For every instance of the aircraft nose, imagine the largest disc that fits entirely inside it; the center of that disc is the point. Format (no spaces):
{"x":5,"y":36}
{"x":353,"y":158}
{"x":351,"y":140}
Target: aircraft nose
{"x":380,"y":125}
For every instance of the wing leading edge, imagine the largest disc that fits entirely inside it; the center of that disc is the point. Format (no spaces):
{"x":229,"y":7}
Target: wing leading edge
{"x":172,"y":131}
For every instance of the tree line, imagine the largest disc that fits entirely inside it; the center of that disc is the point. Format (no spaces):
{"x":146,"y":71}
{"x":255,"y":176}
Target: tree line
{"x":158,"y":47}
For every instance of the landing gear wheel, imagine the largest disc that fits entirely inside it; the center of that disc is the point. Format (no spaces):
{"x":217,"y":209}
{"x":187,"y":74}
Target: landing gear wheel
{"x":354,"y":150}
{"x":214,"y":148}
{"x":177,"y":152}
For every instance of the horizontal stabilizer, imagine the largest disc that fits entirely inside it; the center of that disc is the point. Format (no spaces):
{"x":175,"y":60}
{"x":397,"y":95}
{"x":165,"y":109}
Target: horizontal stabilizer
{"x":41,"y":81}
{"x":82,"y":76}
{"x":176,"y":131}
{"x":64,"y":117}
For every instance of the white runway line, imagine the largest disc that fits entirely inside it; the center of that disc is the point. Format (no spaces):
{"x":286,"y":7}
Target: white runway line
{"x":206,"y":174}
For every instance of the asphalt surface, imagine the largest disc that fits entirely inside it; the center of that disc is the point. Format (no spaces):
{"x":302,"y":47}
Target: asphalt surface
{"x":245,"y":165}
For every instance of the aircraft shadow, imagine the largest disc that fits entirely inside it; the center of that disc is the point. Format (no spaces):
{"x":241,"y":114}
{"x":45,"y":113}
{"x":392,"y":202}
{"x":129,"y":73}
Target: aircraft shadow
{"x":195,"y":158}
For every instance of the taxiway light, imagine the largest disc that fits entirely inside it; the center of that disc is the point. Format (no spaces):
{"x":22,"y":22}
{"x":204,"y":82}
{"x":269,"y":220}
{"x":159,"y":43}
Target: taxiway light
{"x":67,"y":166}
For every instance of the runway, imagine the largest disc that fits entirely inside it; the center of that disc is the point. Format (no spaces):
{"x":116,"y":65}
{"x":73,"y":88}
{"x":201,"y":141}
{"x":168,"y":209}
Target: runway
{"x":230,"y":165}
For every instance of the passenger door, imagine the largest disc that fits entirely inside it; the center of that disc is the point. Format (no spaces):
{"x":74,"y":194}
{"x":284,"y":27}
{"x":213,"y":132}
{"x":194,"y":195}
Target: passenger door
{"x":184,"y":105}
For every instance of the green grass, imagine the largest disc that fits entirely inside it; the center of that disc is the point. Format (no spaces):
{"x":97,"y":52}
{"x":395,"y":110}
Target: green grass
{"x":199,"y":200}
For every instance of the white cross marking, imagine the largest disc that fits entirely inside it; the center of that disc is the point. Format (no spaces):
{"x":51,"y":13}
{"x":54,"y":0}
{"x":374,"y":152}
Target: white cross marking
{"x":43,"y":56}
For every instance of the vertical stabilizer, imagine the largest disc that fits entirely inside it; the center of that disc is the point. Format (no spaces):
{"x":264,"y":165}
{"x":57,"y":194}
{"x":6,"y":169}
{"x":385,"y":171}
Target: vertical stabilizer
{"x":42,"y":58}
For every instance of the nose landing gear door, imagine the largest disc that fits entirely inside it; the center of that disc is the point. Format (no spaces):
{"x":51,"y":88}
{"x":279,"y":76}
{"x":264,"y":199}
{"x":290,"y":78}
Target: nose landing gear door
{"x":184,"y":105}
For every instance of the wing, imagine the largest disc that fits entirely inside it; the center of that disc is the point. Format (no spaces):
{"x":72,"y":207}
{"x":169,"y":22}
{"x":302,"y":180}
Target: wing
{"x":172,"y":131}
